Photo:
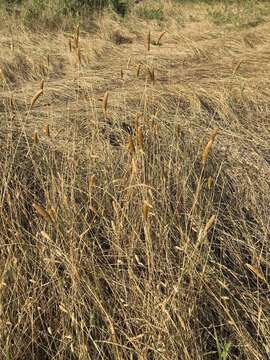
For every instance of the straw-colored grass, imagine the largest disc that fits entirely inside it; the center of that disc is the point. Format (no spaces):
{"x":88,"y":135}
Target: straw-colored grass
{"x":135,"y":187}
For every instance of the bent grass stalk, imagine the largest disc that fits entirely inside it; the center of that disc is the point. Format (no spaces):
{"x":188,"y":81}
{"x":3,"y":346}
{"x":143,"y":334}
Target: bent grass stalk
{"x":105,"y":103}
{"x":205,"y":156}
{"x":160,"y":37}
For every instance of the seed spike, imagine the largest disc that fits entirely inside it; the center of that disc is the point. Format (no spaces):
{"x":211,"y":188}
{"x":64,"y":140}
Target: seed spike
{"x":209,"y":223}
{"x":138,"y":70}
{"x":35,"y":137}
{"x":131,"y":145}
{"x":210,"y":182}
{"x":146,"y":209}
{"x":139,"y":138}
{"x":255,"y":271}
{"x":47,"y":130}
{"x":35,"y":98}
{"x":151,"y":73}
{"x":42,"y":84}
{"x":105,"y":103}
{"x":208,"y":147}
{"x":77,"y":36}
{"x":92,"y":181}
{"x":42,"y":212}
{"x":148,"y":40}
{"x":70,"y":45}
{"x":79,"y":56}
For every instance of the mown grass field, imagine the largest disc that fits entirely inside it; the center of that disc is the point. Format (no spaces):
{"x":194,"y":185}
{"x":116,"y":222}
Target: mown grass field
{"x":135,"y":183}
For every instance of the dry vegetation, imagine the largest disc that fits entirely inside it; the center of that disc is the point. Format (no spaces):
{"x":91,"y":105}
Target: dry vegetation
{"x":135,"y":187}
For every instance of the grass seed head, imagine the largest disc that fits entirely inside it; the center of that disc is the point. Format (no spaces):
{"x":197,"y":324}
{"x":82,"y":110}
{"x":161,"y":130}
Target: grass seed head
{"x":148,"y":40}
{"x":42,"y":212}
{"x":52,"y":213}
{"x":70,"y":45}
{"x":255,"y":271}
{"x":79,"y":56}
{"x":47,"y":130}
{"x":146,"y":209}
{"x":209,"y":146}
{"x":35,"y":137}
{"x":138,"y":70}
{"x":210,"y":181}
{"x":105,"y":102}
{"x":209,"y":223}
{"x":42,"y":84}
{"x":131,"y":146}
{"x":139,"y":138}
{"x":35,"y":98}
{"x":77,"y":36}
{"x":92,"y":181}
{"x":151,"y":73}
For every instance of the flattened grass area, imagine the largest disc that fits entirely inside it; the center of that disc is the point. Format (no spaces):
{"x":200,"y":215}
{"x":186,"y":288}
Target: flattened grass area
{"x":135,"y":189}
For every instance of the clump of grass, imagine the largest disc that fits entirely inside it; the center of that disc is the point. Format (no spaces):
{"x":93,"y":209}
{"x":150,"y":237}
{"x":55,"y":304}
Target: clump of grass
{"x":241,"y":14}
{"x":150,"y":13}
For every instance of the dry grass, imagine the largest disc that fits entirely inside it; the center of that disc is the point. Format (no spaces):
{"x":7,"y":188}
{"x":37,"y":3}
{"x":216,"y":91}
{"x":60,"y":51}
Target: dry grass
{"x":130,"y":227}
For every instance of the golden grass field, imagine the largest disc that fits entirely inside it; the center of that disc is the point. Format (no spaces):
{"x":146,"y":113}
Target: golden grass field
{"x":135,"y":185}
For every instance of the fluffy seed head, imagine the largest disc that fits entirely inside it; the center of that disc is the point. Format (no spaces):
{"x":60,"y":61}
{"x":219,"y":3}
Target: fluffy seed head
{"x":146,"y":209}
{"x":208,"y":146}
{"x":131,"y":146}
{"x":35,"y":98}
{"x":209,"y":223}
{"x":92,"y":181}
{"x":42,"y":212}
